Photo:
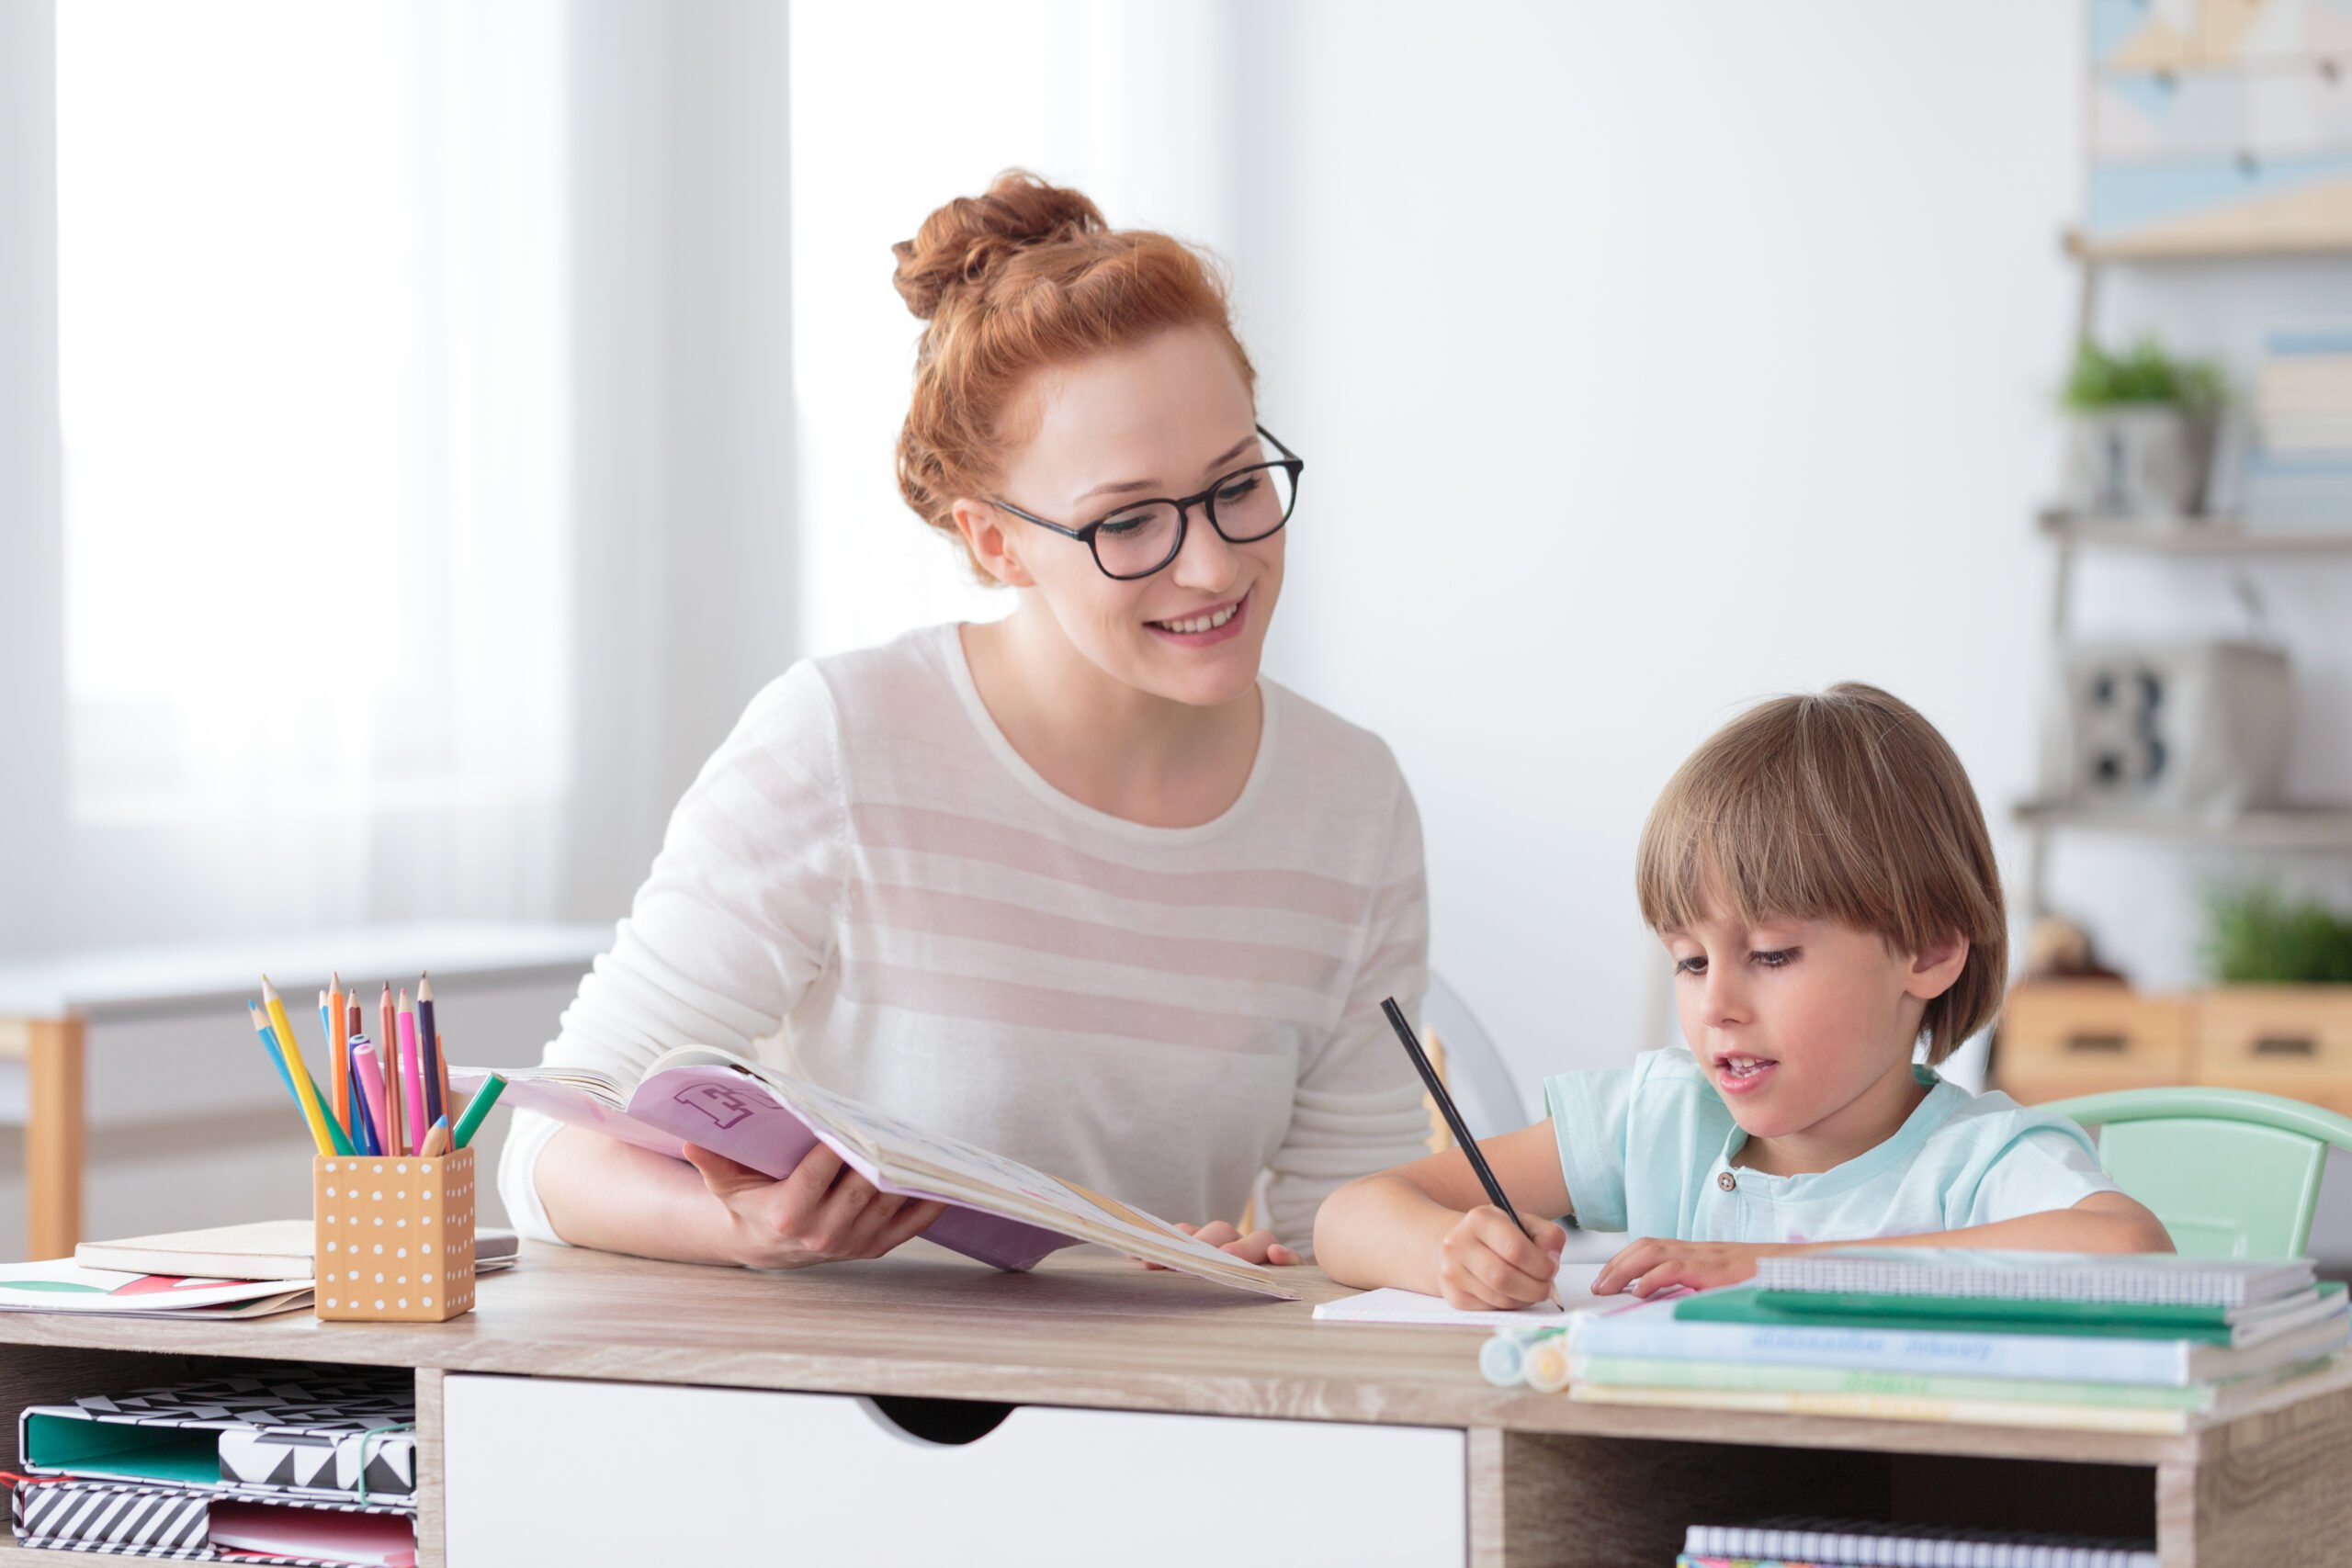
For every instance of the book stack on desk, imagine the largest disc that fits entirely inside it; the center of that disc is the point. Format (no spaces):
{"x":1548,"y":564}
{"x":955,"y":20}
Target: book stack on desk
{"x":304,"y":1466}
{"x":2136,"y":1344}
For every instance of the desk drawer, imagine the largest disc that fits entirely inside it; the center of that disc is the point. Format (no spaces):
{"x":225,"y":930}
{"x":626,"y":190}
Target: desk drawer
{"x":2290,"y":1040}
{"x":559,"y":1470}
{"x":2067,"y":1038}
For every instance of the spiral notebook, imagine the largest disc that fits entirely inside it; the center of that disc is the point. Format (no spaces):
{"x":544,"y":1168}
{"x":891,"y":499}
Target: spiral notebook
{"x":1849,"y":1543}
{"x":2153,"y":1280}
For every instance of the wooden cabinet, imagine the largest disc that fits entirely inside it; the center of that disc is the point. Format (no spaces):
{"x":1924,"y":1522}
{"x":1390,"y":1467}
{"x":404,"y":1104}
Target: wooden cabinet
{"x":2059,"y":1039}
{"x":2088,"y":1037}
{"x":2290,"y":1040}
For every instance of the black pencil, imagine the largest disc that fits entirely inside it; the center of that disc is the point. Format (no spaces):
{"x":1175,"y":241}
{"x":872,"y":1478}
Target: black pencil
{"x":1462,"y":1138}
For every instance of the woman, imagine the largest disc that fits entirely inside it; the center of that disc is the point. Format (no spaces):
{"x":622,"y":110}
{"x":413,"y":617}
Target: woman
{"x":1076,"y":886}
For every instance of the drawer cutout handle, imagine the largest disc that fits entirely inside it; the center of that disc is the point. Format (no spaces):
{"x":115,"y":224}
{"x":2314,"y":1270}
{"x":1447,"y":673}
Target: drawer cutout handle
{"x":2111,"y":1044}
{"x":2286,"y":1046}
{"x":935,"y":1423}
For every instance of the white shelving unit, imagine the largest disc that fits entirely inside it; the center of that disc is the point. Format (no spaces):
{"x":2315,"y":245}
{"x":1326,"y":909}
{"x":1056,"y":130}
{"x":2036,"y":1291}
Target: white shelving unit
{"x":2196,"y":540}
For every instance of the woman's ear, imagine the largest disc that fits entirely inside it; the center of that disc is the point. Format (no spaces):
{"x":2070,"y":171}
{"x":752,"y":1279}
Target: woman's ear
{"x":1936,"y":968}
{"x":982,"y":526}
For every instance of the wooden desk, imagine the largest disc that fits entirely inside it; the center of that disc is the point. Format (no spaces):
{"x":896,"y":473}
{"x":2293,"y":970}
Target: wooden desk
{"x":1548,"y":1480}
{"x":50,"y":1007}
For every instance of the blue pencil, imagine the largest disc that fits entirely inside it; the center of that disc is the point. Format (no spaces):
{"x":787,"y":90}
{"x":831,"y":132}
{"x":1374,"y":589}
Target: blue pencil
{"x":270,"y":1045}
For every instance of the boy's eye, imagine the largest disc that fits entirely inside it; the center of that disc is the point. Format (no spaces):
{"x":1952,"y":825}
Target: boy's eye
{"x":1690,"y":965}
{"x":1776,"y":958}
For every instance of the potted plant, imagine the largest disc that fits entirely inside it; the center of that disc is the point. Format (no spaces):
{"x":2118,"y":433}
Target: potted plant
{"x":2281,"y":1019}
{"x":2142,"y":424}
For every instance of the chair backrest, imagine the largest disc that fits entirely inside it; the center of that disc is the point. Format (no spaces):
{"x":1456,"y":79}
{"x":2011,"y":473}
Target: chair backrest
{"x":1474,"y":1072}
{"x":2229,"y":1172}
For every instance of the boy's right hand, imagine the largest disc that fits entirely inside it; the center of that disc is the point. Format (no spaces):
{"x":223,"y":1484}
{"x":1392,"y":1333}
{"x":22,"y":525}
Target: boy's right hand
{"x":1486,"y":1264}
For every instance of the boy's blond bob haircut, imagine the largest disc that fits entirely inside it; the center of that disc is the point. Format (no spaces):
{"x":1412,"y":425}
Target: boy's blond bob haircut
{"x":1845,"y":806}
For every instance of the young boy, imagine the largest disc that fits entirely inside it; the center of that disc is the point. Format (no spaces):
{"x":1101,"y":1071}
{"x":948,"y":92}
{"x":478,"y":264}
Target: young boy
{"x":1820,"y":879}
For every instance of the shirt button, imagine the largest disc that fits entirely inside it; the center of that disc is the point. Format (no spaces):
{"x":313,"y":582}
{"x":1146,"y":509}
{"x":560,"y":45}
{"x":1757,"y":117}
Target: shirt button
{"x":1726,"y":1180}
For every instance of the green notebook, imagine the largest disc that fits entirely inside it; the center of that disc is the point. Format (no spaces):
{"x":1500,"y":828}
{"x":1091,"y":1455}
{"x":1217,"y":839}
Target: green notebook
{"x":1991,"y":1315}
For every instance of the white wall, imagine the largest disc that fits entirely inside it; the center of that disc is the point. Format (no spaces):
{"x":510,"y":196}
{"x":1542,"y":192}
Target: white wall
{"x":1648,"y":360}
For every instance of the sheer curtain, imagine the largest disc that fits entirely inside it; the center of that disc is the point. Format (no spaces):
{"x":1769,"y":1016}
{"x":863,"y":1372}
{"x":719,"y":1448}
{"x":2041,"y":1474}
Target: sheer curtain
{"x":313,"y":326}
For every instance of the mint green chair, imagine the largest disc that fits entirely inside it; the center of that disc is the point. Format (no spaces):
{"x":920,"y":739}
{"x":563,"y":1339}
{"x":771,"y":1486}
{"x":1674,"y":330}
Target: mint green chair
{"x":2229,"y":1172}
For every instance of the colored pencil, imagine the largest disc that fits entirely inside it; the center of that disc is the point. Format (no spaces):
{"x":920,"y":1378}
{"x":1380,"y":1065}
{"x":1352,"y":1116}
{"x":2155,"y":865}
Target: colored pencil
{"x":364,"y":1137}
{"x":475,"y":1109}
{"x":338,"y":1097}
{"x":437,"y":1142}
{"x":269,"y":1046}
{"x":412,"y":1118}
{"x":388,"y":1055}
{"x":337,"y":1056}
{"x":323,"y":1133}
{"x":428,"y":1053}
{"x":370,"y":1072}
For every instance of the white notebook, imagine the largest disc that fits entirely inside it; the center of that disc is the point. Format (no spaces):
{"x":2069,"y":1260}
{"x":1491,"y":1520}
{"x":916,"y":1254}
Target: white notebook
{"x":1395,"y":1306}
{"x":2034,"y":1276}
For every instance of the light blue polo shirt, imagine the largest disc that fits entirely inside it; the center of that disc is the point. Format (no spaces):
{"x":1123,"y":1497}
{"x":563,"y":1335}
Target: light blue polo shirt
{"x":1646,"y":1150}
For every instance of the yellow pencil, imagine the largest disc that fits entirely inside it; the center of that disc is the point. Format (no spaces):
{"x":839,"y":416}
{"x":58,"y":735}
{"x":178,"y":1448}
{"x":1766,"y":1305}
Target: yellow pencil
{"x":304,"y":1090}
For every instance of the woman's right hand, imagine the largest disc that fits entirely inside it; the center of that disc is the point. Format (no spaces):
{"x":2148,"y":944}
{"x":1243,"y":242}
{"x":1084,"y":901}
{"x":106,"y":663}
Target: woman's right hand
{"x":822,"y":1212}
{"x":1485,"y":1263}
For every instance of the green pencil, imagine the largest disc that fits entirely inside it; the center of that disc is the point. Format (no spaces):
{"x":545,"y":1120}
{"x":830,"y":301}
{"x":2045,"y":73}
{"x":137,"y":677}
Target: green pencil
{"x":475,"y":1109}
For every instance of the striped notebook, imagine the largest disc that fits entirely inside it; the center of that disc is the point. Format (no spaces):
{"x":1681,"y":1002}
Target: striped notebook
{"x":1861,"y":1545}
{"x":2035,"y":1276}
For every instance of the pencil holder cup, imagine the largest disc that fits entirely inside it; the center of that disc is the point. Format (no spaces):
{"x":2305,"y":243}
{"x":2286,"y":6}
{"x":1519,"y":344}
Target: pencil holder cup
{"x":394,"y":1236}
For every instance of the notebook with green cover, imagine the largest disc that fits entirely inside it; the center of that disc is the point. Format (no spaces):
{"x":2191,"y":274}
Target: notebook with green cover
{"x":1979,"y":1314}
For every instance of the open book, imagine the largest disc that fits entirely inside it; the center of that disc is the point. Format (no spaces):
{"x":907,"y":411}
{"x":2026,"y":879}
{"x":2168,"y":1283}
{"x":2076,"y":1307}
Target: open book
{"x":1000,"y":1212}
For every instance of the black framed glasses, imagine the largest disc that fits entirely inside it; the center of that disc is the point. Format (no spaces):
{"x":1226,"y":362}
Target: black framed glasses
{"x":1142,"y":536}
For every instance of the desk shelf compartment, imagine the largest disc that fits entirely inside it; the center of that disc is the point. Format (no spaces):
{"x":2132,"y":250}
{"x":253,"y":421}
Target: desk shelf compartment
{"x":48,"y":1380}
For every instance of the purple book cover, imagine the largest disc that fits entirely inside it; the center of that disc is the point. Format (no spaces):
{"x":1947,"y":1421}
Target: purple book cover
{"x":721,"y":1109}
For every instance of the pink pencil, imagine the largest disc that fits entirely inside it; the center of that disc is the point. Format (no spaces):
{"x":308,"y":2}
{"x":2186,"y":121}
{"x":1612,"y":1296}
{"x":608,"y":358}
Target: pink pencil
{"x":371,"y":1082}
{"x":412,"y":1077}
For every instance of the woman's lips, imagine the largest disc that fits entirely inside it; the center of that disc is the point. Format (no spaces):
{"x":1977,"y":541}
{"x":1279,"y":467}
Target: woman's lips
{"x":1213,"y":630}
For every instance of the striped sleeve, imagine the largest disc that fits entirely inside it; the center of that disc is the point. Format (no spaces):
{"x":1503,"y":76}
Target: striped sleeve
{"x":1358,"y":1104}
{"x":735,"y":921}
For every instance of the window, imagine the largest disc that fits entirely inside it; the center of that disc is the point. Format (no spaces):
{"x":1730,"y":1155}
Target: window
{"x":312,"y":329}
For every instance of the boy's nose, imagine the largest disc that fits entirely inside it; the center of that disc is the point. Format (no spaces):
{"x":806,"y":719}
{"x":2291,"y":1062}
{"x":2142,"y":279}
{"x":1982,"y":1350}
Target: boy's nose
{"x":1722,"y":998}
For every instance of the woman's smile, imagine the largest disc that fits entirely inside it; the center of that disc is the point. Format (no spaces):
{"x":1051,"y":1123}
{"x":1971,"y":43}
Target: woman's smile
{"x":1204,"y":628}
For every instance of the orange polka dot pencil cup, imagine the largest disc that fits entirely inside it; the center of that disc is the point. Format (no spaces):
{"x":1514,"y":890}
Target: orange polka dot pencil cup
{"x":394,"y":1236}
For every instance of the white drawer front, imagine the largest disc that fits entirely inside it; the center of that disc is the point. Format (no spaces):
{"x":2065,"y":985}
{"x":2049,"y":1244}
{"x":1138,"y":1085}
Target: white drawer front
{"x":557,"y":1471}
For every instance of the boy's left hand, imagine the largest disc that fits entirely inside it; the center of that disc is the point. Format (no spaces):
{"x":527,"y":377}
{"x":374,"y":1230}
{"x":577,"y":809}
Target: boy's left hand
{"x":1650,"y":1265}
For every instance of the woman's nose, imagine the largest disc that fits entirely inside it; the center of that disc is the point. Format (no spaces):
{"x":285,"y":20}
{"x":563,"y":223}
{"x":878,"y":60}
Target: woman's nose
{"x":1205,"y":561}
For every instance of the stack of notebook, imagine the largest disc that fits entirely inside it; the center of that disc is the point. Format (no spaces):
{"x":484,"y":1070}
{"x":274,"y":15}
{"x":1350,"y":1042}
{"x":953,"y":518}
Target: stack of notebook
{"x":304,"y":1466}
{"x":2136,"y":1344}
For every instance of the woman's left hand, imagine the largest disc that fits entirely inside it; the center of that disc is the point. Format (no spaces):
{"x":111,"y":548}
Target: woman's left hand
{"x":1258,"y":1246}
{"x":1651,"y":1265}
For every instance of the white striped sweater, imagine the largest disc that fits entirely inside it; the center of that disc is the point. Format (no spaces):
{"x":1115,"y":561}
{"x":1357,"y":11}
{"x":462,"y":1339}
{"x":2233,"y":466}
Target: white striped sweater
{"x":868,"y":887}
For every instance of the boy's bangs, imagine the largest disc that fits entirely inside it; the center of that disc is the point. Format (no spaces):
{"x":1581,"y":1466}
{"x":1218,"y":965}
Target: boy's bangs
{"x":1750,"y":858}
